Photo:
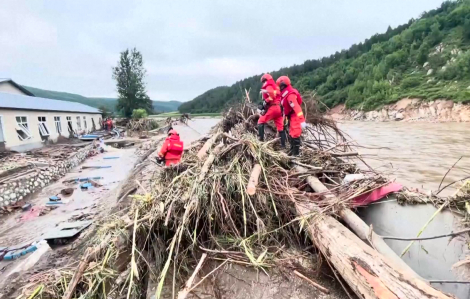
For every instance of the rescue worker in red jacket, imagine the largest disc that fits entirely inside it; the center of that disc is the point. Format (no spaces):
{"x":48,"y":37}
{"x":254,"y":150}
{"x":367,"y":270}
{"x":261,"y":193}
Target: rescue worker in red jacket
{"x":291,"y":101}
{"x":271,"y":108}
{"x":172,"y":149}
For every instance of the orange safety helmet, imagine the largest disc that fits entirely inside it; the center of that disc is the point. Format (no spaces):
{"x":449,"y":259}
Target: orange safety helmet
{"x":266,"y":77}
{"x":172,"y":132}
{"x":283,"y":79}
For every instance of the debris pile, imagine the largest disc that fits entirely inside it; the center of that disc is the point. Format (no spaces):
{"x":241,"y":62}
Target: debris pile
{"x":237,"y":200}
{"x":141,"y":125}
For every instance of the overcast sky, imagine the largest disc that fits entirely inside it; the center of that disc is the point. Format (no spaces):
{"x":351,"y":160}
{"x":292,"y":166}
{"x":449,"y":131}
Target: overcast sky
{"x":188,"y":46}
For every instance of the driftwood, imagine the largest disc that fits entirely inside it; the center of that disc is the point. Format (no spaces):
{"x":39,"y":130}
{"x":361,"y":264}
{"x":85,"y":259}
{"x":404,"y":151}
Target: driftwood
{"x":206,"y":147}
{"x":350,"y":154}
{"x":89,"y":256}
{"x":362,"y":230}
{"x":368,"y":273}
{"x":251,"y":188}
{"x":208,"y":163}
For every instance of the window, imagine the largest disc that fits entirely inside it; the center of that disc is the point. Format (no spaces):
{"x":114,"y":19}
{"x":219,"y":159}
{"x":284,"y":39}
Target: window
{"x":84,"y":123}
{"x":43,"y":129}
{"x":58,"y":125}
{"x":22,"y":129}
{"x":79,"y":124}
{"x":69,"y":123}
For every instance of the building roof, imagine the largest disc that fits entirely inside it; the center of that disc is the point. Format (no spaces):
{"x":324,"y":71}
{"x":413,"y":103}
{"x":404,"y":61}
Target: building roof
{"x":22,"y":102}
{"x":24,"y":90}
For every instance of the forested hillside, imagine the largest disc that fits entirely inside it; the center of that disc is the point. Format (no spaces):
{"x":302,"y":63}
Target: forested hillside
{"x":427,"y":58}
{"x":108,"y":103}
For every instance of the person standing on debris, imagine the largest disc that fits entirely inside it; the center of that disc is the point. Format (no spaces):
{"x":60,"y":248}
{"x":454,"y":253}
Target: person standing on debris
{"x":110,"y":124}
{"x":271,"y":108}
{"x":291,"y":101}
{"x":172,"y":149}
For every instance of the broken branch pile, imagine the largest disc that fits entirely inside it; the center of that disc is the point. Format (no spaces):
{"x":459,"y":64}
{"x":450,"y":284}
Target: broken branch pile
{"x":242,"y":201}
{"x":141,"y":125}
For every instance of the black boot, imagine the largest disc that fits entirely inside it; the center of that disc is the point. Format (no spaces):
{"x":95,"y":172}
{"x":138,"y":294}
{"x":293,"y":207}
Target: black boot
{"x":261,"y":132}
{"x":296,"y":147}
{"x":283,"y":139}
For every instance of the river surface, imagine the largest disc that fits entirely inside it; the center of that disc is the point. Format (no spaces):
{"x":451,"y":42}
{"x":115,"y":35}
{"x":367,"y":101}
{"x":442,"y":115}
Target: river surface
{"x":416,"y":154}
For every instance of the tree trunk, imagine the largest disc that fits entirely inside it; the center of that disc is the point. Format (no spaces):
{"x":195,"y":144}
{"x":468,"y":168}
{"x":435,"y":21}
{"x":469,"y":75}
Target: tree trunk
{"x":207,"y":146}
{"x":368,"y":273}
{"x":208,"y":163}
{"x":361,"y":229}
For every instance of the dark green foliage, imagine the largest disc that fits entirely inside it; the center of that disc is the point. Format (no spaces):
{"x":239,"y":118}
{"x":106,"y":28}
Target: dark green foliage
{"x":129,"y":76}
{"x":410,"y":82}
{"x":381,"y":70}
{"x":139,"y":113}
{"x":108,"y":103}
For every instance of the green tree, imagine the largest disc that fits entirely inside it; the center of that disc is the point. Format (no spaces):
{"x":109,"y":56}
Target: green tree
{"x":436,"y":35}
{"x":466,"y":29}
{"x":423,"y":53}
{"x":139,"y":113}
{"x":129,"y":75}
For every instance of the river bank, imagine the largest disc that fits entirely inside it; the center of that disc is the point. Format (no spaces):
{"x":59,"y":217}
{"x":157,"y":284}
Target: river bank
{"x":408,"y":109}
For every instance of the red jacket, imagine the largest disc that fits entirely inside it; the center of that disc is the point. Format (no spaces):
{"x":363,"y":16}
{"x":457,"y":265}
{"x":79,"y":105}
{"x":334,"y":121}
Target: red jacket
{"x":273,"y":95}
{"x":172,"y":150}
{"x":291,"y":101}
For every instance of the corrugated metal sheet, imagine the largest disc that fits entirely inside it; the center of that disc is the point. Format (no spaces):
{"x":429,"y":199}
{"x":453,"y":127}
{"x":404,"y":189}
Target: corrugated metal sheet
{"x":20,"y":102}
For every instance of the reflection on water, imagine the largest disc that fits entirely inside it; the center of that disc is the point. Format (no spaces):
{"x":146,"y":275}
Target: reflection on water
{"x":416,"y":154}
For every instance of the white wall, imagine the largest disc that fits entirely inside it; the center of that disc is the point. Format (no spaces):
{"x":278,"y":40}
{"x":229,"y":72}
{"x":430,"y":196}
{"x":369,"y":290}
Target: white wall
{"x":12,"y":142}
{"x":10,"y":88}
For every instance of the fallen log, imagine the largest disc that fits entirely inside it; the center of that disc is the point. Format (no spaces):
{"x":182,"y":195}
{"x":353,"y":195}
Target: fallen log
{"x":367,"y":272}
{"x":254,"y":177}
{"x":206,"y":147}
{"x":360,"y":227}
{"x":208,"y":163}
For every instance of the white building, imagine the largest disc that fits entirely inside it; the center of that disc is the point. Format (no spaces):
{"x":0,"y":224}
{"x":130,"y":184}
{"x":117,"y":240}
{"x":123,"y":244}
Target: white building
{"x":28,"y":122}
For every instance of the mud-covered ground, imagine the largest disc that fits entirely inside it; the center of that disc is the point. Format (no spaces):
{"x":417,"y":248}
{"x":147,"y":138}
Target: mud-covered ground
{"x":24,"y":227}
{"x":230,"y":281}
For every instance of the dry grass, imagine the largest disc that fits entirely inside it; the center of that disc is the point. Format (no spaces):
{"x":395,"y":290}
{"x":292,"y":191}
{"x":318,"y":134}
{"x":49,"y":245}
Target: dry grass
{"x":189,"y":210}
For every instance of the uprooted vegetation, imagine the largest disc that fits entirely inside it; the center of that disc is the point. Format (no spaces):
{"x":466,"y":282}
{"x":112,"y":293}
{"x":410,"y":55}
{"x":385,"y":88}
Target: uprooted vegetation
{"x":232,"y":197}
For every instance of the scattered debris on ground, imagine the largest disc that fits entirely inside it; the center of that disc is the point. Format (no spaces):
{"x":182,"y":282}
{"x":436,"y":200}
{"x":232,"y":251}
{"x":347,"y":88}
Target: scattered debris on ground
{"x":236,"y":201}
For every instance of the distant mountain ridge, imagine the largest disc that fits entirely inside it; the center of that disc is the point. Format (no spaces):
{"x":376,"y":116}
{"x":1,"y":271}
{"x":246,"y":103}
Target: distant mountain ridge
{"x":427,"y":58}
{"x":108,"y":103}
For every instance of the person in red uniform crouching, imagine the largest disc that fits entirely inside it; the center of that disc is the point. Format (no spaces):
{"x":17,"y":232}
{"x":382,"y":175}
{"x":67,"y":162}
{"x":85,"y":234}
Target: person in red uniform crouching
{"x":271,"y":108}
{"x":172,"y":149}
{"x":291,"y":101}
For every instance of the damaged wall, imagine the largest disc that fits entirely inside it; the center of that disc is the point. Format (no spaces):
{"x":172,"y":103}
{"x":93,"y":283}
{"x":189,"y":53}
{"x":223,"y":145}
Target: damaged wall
{"x":17,"y":188}
{"x":9,"y":124}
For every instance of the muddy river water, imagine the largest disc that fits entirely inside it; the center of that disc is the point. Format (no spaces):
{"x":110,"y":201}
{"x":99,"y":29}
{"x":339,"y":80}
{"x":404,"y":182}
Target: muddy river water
{"x":418,"y":155}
